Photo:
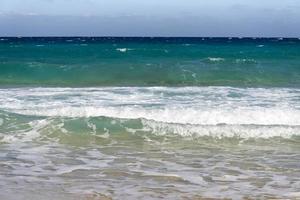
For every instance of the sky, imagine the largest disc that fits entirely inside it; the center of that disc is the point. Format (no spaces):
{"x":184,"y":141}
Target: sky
{"x":194,"y":18}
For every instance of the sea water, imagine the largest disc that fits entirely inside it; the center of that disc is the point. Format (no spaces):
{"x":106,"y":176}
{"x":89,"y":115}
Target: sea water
{"x":149,"y":118}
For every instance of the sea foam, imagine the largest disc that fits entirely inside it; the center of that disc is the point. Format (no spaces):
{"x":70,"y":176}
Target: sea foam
{"x":215,"y":59}
{"x":187,"y":111}
{"x":190,"y":105}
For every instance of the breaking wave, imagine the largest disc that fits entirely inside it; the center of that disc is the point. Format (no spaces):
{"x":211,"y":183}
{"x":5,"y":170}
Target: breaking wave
{"x":190,"y":111}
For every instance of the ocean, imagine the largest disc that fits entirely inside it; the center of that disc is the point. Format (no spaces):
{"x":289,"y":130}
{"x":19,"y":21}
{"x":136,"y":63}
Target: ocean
{"x":149,"y":118}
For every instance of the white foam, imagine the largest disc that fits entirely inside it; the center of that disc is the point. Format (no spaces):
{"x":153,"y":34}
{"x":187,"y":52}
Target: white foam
{"x":123,"y":50}
{"x":221,"y":131}
{"x":215,"y":59}
{"x":176,"y":115}
{"x":190,"y":105}
{"x":245,"y":60}
{"x":26,"y":135}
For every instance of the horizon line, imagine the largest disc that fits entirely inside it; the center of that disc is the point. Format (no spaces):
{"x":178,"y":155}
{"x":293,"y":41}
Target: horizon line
{"x":152,"y":37}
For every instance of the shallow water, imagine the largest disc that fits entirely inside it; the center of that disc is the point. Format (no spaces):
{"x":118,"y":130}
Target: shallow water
{"x":127,"y":166}
{"x":149,"y":143}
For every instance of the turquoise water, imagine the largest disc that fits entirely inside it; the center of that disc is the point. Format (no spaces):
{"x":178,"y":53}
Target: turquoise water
{"x":149,"y":118}
{"x":149,"y":62}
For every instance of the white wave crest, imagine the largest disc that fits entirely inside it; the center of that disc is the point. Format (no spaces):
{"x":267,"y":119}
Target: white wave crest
{"x":222,"y":131}
{"x":190,"y":105}
{"x":215,"y":59}
{"x":123,"y":50}
{"x":245,"y":60}
{"x":27,"y":135}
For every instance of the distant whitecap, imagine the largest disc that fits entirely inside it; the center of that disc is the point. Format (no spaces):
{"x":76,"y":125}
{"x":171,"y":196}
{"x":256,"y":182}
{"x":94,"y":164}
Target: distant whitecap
{"x":123,"y":50}
{"x":212,"y":59}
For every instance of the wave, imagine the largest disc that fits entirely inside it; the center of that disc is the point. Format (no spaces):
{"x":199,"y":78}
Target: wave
{"x":123,"y":50}
{"x":189,"y":105}
{"x":222,"y":131}
{"x":103,"y":127}
{"x":215,"y":59}
{"x":189,"y":111}
{"x":174,"y":115}
{"x":245,"y":60}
